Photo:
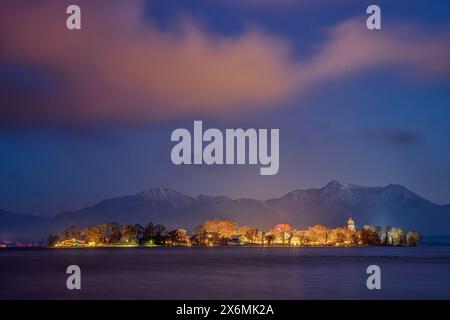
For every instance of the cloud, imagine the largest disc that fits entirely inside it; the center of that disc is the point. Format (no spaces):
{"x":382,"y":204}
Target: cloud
{"x":352,"y":48}
{"x":266,"y":2}
{"x":122,"y":68}
{"x":276,"y":3}
{"x":393,"y":136}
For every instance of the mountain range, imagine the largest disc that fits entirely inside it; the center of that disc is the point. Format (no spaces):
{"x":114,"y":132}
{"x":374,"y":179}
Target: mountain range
{"x":330,"y":205}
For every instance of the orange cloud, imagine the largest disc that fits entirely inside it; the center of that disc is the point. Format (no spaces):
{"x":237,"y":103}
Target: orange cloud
{"x":265,"y":2}
{"x":352,"y":48}
{"x":122,"y":68}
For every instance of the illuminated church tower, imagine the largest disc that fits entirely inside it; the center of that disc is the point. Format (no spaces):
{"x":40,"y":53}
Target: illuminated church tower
{"x":351,"y":224}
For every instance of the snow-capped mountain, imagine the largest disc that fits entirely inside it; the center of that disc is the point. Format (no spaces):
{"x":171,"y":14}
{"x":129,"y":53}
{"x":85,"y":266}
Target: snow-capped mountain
{"x":160,"y":197}
{"x":345,"y":193}
{"x":392,"y":204}
{"x":331,"y":205}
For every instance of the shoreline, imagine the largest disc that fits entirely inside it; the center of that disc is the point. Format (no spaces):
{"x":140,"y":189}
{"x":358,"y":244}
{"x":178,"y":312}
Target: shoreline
{"x":209,"y":247}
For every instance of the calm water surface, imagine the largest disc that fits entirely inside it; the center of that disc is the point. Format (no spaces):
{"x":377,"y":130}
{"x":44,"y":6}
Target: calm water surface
{"x":226,"y":273}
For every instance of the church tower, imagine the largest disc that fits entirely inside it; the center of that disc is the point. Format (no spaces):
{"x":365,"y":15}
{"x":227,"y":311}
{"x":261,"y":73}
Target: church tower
{"x":351,"y":224}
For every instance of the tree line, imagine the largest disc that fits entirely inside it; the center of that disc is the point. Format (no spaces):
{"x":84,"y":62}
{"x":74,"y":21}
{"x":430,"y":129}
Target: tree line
{"x":218,"y":232}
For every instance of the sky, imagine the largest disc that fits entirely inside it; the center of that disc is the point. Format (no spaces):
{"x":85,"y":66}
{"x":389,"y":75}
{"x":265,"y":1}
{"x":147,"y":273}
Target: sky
{"x":87,"y":115}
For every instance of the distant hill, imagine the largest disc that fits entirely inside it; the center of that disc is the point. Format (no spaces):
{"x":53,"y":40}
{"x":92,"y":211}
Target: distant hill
{"x":17,"y":227}
{"x":166,"y":206}
{"x":331,"y":205}
{"x":392,"y":204}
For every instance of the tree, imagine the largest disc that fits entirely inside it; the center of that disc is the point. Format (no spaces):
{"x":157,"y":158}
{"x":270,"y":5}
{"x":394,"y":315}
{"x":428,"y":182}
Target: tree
{"x":52,"y":239}
{"x":413,"y":238}
{"x":318,"y":233}
{"x":200,"y":237}
{"x":301,"y":236}
{"x":224,"y":228}
{"x":370,"y":235}
{"x":269,"y":236}
{"x":140,"y":233}
{"x":149,"y":232}
{"x":115,"y":232}
{"x":93,"y":234}
{"x":383,"y":235}
{"x":111,"y":232}
{"x":342,"y":235}
{"x":182,"y":236}
{"x":129,"y":234}
{"x":242,"y":232}
{"x":73,"y":232}
{"x":104,"y":230}
{"x":160,"y":232}
{"x":155,"y":233}
{"x":249,"y":234}
{"x":178,"y":236}
{"x":354,"y":236}
{"x":285,"y":232}
{"x":252,"y":234}
{"x":396,"y":236}
{"x":172,"y":237}
{"x":260,"y":237}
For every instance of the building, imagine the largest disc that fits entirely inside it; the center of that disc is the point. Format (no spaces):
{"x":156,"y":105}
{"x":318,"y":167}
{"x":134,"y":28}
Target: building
{"x":69,"y":243}
{"x":351,"y":224}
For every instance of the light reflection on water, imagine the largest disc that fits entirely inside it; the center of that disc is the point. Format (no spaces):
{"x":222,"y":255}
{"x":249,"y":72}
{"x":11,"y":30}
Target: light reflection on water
{"x":226,"y":273}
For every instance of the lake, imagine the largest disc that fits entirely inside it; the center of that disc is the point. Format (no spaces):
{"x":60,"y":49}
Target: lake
{"x":226,"y":273}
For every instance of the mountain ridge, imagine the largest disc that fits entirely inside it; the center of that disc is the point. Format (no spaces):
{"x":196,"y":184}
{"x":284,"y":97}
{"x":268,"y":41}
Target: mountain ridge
{"x":330,"y":205}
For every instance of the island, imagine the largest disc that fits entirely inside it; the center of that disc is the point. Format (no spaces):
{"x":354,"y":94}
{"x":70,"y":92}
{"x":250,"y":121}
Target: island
{"x":219,"y":232}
